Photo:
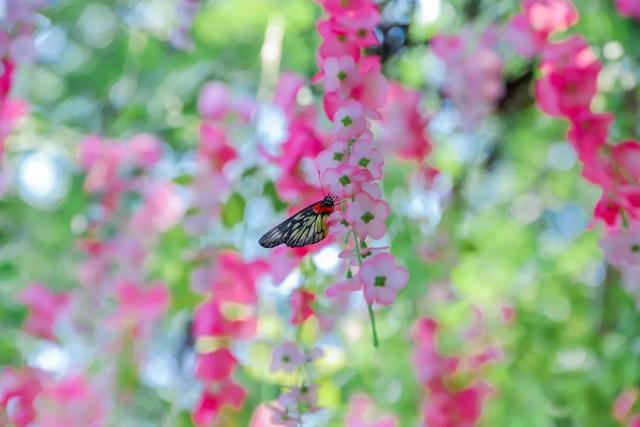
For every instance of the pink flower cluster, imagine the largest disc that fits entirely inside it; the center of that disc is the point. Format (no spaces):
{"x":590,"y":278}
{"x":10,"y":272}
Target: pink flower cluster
{"x":456,"y":390}
{"x":568,"y":85}
{"x":229,"y":314}
{"x":296,"y":183}
{"x":473,"y":79}
{"x":629,"y":8}
{"x":355,"y":92}
{"x":622,"y":409}
{"x":402,"y":115}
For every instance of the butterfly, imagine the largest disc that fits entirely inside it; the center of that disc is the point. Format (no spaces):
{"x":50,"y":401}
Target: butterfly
{"x":304,"y":228}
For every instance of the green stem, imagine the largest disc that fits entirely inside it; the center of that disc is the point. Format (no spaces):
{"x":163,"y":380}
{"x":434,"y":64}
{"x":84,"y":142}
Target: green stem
{"x":372,"y":317}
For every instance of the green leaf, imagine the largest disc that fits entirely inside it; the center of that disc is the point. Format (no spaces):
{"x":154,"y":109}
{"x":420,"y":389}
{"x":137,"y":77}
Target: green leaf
{"x":233,"y":210}
{"x":183,"y":180}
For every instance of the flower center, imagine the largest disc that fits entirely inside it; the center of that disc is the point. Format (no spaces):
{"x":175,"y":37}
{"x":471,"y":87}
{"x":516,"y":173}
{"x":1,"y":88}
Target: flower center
{"x":344,"y":180}
{"x":338,"y":156}
{"x":346,"y":121}
{"x":286,"y":359}
{"x":344,"y":3}
{"x":342,"y":76}
{"x":367,"y":217}
{"x":635,"y":247}
{"x":362,"y":33}
{"x":364,"y":162}
{"x":380,"y":281}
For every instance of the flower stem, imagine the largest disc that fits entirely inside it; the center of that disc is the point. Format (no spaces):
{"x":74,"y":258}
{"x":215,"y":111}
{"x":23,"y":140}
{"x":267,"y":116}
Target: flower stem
{"x":372,"y":317}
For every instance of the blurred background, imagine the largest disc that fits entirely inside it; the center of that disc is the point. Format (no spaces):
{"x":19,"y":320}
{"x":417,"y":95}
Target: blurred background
{"x":144,"y":150}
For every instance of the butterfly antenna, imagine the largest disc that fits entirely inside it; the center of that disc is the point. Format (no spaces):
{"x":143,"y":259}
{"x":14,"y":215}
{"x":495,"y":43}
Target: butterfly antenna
{"x":320,"y":180}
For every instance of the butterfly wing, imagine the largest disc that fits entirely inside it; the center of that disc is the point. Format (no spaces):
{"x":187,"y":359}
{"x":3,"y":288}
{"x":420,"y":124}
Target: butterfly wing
{"x":304,"y":228}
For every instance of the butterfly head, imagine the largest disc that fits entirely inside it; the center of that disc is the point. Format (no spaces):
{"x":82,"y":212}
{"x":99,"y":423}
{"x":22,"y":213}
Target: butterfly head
{"x":330,"y":200}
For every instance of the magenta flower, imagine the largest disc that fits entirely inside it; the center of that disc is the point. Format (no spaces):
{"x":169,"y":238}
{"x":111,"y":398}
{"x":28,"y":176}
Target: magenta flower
{"x":366,"y":157}
{"x":381,"y":279}
{"x":286,"y":357}
{"x":301,"y":309}
{"x":216,"y":365}
{"x":226,"y":393}
{"x":44,"y":309}
{"x":19,"y":388}
{"x":368,"y":215}
{"x":345,"y":180}
{"x":629,"y":8}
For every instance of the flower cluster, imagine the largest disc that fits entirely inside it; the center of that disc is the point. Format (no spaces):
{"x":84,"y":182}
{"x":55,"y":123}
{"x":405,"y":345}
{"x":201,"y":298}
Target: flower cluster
{"x":229,"y":314}
{"x":568,"y":85}
{"x":451,"y":402}
{"x":403,"y":115}
{"x":355,"y":91}
{"x":301,"y":398}
{"x":473,"y":79}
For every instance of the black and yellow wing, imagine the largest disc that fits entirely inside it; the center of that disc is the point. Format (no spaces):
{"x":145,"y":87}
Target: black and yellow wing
{"x":304,"y":228}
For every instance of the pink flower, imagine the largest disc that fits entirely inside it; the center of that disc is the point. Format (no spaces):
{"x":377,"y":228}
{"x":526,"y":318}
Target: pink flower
{"x":348,"y":285}
{"x":427,"y":361}
{"x":216,"y":365}
{"x":521,"y":37}
{"x":333,"y":156}
{"x":139,"y":307}
{"x":345,"y":180}
{"x":226,"y":393}
{"x":301,"y":308}
{"x":588,"y":133}
{"x":549,"y":16}
{"x":489,"y":355}
{"x":403,"y":115}
{"x":236,"y":278}
{"x":214,"y":101}
{"x":368,"y":216}
{"x":18,"y":389}
{"x":350,"y":120}
{"x":289,"y":85}
{"x":145,"y":150}
{"x":359,"y":414}
{"x":71,"y":402}
{"x":629,"y":8}
{"x":361,"y":23}
{"x":340,"y":75}
{"x":162,"y":208}
{"x":381,"y":279}
{"x":44,"y":309}
{"x":209,"y":320}
{"x":567,"y":92}
{"x":286,"y":357}
{"x":623,"y":404}
{"x":214,"y":148}
{"x":366,"y":157}
{"x":622,"y":247}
